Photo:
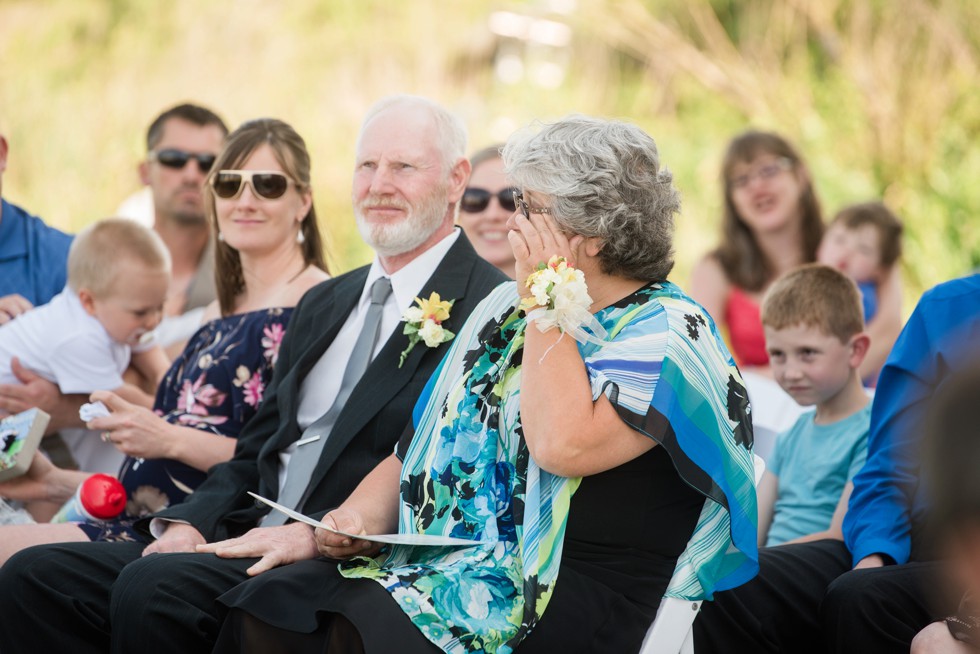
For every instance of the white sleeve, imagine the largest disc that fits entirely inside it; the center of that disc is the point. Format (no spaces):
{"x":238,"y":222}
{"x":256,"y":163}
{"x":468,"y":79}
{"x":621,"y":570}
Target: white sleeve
{"x":86,"y":364}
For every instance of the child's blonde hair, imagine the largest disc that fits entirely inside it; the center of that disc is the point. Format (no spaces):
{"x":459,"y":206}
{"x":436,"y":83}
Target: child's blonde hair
{"x":98,"y":250}
{"x":887,"y":224}
{"x":815,"y":296}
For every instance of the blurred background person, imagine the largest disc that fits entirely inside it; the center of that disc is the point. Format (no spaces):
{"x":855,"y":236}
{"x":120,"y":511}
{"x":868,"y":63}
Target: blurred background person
{"x":33,"y":256}
{"x":771,"y":224}
{"x":952,"y":458}
{"x":864,"y":241}
{"x":181,"y":146}
{"x":487,"y":204}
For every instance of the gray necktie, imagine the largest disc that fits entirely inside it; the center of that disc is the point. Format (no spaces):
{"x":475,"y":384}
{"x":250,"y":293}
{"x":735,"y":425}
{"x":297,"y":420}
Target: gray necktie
{"x":306,"y":455}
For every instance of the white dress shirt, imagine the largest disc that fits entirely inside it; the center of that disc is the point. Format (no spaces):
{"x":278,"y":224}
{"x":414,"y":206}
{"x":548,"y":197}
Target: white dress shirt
{"x":319,"y":390}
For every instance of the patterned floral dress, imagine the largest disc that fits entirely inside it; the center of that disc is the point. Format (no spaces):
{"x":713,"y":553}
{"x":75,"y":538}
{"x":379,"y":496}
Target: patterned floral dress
{"x":531,"y":580}
{"x":215,"y":385}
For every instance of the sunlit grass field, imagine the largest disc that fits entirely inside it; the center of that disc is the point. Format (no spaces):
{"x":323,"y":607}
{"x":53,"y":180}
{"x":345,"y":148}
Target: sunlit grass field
{"x":881,"y":97}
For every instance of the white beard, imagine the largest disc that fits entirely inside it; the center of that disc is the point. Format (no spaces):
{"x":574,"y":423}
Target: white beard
{"x":419,"y":224}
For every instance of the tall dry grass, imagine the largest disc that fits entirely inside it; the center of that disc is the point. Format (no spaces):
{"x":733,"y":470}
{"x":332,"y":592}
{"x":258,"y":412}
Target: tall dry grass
{"x":879,"y":95}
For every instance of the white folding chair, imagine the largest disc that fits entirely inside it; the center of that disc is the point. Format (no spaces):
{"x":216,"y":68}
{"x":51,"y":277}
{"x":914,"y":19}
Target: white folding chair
{"x":672,"y":631}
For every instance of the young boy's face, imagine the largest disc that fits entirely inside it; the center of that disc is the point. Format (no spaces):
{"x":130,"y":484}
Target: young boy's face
{"x":811,"y":366}
{"x":133,"y":306}
{"x":856,"y":252}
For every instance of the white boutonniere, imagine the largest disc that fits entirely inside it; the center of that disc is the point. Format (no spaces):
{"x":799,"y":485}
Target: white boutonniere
{"x":560,"y":298}
{"x":423,"y":322}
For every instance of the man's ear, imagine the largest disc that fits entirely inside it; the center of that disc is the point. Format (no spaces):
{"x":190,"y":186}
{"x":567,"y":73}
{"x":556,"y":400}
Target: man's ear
{"x":144,"y":171}
{"x":88,"y":301}
{"x":458,"y":176}
{"x":859,"y":348}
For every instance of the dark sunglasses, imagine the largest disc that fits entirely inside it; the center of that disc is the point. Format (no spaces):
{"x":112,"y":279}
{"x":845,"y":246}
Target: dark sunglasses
{"x":173,"y":158}
{"x":228,"y":184}
{"x":477,"y":199}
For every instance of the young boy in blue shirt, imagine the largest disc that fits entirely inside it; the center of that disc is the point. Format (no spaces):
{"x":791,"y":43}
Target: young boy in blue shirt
{"x":814,"y":326}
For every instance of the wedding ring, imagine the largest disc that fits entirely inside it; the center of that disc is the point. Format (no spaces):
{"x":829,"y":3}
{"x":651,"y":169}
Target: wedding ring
{"x":106,"y":438}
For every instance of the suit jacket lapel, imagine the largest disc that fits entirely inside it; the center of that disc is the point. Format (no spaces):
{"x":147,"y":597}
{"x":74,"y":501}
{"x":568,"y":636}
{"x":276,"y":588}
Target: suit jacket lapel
{"x":324,"y":323}
{"x":384,"y":379}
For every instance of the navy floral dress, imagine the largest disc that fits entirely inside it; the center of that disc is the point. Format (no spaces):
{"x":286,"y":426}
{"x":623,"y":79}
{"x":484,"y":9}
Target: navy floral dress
{"x":215,"y":385}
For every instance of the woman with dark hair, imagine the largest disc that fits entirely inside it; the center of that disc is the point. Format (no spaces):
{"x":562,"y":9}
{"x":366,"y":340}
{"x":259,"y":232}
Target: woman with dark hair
{"x":586,"y":434}
{"x":269,"y":253}
{"x":770,"y":225}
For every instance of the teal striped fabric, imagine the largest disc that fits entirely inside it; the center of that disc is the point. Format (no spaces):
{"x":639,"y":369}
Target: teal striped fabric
{"x":468,"y":474}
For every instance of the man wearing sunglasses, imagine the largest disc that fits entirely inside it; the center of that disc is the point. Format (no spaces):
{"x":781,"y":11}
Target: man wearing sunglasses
{"x":339,"y":400}
{"x":182,"y":144}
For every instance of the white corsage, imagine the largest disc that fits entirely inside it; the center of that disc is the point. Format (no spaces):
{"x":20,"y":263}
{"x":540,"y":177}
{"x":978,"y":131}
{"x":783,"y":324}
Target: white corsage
{"x":562,"y":299}
{"x":424,"y":323}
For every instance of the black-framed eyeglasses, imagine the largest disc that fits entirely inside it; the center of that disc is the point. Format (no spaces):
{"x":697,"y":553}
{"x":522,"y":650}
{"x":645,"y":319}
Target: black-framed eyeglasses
{"x":525,"y":208}
{"x":268,"y":184}
{"x":476,"y":199}
{"x":766,"y":171}
{"x":174,"y":158}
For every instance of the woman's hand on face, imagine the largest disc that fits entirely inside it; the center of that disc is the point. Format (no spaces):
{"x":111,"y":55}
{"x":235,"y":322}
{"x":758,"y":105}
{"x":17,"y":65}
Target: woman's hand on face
{"x":338,"y":546}
{"x":134,"y":430}
{"x":535,"y":240}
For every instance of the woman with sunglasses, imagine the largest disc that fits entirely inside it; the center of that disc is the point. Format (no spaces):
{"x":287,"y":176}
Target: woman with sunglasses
{"x":269,"y":253}
{"x":486,"y":205}
{"x":579,"y":460}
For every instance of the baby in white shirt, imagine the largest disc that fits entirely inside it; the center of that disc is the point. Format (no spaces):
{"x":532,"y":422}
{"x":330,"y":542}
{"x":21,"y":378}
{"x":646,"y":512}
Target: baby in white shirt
{"x":83,"y":340}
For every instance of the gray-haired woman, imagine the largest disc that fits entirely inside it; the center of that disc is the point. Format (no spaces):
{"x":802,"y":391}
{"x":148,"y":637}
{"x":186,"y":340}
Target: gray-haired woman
{"x":583,"y":440}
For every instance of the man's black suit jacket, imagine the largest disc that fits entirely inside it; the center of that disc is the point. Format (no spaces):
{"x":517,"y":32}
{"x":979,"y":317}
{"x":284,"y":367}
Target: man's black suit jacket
{"x":371,"y":422}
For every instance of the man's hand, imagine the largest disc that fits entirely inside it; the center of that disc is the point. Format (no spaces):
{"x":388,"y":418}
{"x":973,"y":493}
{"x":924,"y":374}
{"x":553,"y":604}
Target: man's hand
{"x":36,"y":391}
{"x":12,"y":306}
{"x":870,"y":561}
{"x":179,"y":537}
{"x":274,"y":546}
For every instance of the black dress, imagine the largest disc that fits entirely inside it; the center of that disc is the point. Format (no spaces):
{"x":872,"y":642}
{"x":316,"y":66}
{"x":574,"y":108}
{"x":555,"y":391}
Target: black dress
{"x":626,"y":528}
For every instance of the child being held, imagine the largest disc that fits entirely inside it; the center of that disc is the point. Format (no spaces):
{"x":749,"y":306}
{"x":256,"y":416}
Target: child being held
{"x":815,"y":338}
{"x":84,"y":338}
{"x":864,"y":241}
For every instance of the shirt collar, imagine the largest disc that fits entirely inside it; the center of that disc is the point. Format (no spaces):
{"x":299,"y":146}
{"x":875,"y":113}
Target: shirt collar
{"x":409,"y":280}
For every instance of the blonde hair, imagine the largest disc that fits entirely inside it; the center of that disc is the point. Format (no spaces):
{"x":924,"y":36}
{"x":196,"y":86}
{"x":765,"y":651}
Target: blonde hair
{"x":815,"y":296}
{"x":97,"y":252}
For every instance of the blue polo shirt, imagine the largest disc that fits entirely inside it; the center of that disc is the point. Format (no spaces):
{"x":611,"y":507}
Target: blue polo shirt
{"x":33,"y":256}
{"x":888,"y":502}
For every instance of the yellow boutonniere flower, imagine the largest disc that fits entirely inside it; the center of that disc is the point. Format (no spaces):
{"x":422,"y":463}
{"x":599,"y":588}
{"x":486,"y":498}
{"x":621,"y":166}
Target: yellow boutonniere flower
{"x":424,"y":323}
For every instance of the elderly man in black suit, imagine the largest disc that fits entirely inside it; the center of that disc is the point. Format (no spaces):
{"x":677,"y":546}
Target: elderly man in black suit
{"x":323,"y":410}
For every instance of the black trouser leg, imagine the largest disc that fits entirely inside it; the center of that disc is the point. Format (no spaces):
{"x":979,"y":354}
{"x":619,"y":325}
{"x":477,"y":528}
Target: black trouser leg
{"x":55,"y":598}
{"x":778,"y":610}
{"x":881,"y":609}
{"x":166,"y":602}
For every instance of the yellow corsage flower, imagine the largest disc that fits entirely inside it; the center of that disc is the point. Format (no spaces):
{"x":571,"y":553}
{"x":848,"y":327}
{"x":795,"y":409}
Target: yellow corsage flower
{"x":424,"y":323}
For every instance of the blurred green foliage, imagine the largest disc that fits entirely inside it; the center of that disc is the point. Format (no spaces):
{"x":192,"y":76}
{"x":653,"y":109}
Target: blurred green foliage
{"x":880,"y":96}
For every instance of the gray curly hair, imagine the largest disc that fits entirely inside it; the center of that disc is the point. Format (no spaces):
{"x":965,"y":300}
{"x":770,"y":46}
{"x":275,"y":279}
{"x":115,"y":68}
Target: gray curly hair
{"x":605,"y":180}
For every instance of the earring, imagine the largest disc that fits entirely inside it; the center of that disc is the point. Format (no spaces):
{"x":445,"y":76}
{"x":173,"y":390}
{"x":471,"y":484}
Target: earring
{"x":299,"y":237}
{"x":221,"y":237}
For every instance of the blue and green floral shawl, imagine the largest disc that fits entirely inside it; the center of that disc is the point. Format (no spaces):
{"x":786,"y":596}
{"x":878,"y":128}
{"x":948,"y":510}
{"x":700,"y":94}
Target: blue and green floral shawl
{"x":467,"y":473}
